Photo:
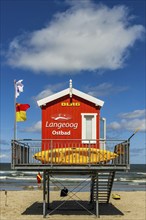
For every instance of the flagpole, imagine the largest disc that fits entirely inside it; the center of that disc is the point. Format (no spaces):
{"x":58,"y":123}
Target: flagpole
{"x":14,"y":109}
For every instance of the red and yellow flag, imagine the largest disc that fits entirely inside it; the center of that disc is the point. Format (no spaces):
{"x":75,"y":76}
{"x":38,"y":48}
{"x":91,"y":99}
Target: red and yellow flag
{"x":21,"y":111}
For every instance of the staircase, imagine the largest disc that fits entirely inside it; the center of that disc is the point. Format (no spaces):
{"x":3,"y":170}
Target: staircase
{"x":101,"y":186}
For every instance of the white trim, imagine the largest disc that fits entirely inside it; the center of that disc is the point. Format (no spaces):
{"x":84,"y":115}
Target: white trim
{"x":104,"y":134}
{"x":76,"y":92}
{"x":53,"y":97}
{"x":94,"y":126}
{"x":87,"y":97}
{"x":94,"y":114}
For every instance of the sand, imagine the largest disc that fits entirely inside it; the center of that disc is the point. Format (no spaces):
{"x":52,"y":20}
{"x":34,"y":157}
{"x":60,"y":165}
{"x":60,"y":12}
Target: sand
{"x":27,"y":204}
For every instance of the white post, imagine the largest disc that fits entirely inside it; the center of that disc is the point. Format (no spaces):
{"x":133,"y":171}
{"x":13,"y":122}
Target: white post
{"x":15,"y":125}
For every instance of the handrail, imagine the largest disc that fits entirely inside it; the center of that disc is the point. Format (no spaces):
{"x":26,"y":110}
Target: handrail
{"x":75,"y":152}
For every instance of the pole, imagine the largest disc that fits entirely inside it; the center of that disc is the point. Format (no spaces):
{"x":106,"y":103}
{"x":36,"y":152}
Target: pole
{"x":13,"y":145}
{"x":6,"y":204}
{"x":97,"y":202}
{"x":44,"y":194}
{"x":14,"y":109}
{"x":133,"y":133}
{"x":48,"y":186}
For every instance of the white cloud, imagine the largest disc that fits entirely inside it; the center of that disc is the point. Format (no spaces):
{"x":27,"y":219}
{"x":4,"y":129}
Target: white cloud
{"x":49,"y":90}
{"x":43,"y":94}
{"x":105,"y":89}
{"x":4,"y":156}
{"x":130,"y":125}
{"x":134,"y":114}
{"x":34,"y":128}
{"x":81,"y":38}
{"x":4,"y":142}
{"x":114,"y":126}
{"x":130,"y":121}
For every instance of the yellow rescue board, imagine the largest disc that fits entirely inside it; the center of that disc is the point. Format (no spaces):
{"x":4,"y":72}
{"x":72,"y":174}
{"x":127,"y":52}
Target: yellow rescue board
{"x":74,"y":156}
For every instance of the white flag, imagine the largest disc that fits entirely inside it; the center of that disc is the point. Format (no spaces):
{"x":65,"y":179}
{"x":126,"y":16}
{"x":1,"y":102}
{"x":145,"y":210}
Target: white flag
{"x":18,"y":88}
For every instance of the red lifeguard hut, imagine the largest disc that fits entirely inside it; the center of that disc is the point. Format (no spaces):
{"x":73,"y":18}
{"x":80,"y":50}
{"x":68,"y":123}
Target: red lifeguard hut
{"x":72,"y":115}
{"x":73,"y":143}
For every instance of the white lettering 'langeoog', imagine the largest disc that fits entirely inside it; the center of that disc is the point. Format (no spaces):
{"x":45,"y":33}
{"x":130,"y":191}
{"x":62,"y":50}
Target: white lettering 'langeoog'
{"x":61,"y":125}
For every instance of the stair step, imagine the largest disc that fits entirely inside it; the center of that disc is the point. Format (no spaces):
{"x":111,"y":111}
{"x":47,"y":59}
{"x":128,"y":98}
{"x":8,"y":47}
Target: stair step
{"x":101,"y":193}
{"x":106,"y":195}
{"x":102,"y":187}
{"x":105,"y":181}
{"x":103,"y":190}
{"x":101,"y":196}
{"x":103,"y":200}
{"x":106,"y":188}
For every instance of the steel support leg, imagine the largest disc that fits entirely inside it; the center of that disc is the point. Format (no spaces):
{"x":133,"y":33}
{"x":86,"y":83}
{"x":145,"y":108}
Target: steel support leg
{"x":97,"y":202}
{"x":92,"y":189}
{"x":44,"y":194}
{"x":48,"y":189}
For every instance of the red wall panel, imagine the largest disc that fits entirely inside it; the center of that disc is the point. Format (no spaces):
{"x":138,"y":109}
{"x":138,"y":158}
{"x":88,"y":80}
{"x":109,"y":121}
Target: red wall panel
{"x":65,"y":122}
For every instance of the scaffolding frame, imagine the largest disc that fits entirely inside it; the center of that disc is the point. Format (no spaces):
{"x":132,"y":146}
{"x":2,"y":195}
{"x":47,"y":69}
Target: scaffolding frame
{"x":46,"y":194}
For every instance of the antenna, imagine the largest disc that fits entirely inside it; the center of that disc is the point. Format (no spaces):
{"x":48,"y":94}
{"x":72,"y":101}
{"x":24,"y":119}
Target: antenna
{"x":133,"y":133}
{"x":70,"y":88}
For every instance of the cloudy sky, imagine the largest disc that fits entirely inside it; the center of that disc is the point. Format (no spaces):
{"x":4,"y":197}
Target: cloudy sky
{"x":100,"y":45}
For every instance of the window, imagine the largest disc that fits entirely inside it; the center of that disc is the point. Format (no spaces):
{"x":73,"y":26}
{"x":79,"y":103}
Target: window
{"x":89,"y":128}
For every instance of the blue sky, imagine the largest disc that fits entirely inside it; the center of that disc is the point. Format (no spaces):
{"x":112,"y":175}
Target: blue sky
{"x":100,"y":45}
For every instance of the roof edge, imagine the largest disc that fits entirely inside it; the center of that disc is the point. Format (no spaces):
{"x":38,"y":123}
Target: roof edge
{"x":76,"y":92}
{"x":53,"y":97}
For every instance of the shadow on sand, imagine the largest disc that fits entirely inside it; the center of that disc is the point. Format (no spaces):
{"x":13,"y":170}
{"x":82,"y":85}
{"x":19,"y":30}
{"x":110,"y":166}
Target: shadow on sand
{"x":72,"y":208}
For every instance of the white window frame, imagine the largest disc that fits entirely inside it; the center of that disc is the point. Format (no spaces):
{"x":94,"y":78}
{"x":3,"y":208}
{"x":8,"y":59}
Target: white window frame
{"x":94,"y":128}
{"x":103,"y":147}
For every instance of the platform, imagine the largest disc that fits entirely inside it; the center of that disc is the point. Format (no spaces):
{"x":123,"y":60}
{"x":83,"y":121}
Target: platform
{"x":101,"y":174}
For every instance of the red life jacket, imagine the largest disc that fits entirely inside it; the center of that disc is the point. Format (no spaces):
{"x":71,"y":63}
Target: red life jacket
{"x":39,"y":178}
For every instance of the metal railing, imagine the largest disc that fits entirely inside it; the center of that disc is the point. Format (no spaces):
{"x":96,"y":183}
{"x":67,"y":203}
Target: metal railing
{"x":28,"y":152}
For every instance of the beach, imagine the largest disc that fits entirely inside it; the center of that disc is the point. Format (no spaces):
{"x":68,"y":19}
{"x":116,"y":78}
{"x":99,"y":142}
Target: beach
{"x":28,"y":204}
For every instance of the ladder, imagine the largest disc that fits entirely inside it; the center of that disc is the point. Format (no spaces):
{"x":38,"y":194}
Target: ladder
{"x":101,"y":186}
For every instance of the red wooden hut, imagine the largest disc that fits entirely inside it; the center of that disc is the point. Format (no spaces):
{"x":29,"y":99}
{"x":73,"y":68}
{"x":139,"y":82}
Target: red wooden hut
{"x":70,"y":115}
